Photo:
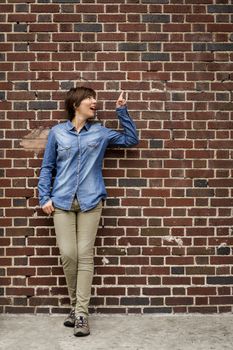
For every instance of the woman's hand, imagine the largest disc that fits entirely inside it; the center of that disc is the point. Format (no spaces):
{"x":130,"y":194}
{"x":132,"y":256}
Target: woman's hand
{"x":121,"y":101}
{"x":48,"y":207}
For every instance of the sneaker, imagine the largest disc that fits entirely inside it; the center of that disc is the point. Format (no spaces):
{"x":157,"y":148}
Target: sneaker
{"x":69,"y":321}
{"x":81,"y":326}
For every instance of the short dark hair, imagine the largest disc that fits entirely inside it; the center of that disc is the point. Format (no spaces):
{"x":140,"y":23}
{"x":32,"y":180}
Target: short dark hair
{"x":75,"y":96}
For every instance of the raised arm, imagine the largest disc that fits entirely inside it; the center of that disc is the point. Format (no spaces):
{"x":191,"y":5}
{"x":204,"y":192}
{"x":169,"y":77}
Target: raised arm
{"x":128,"y":137}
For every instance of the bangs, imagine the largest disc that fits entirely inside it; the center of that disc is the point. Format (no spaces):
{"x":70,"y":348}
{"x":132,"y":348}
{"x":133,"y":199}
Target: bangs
{"x":89,"y":93}
{"x":75,"y":96}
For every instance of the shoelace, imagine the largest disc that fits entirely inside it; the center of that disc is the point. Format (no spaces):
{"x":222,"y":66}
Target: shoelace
{"x":72,"y":313}
{"x":80,"y":321}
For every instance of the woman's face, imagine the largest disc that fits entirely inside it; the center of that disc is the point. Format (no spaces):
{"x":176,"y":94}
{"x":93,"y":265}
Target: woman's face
{"x":87,"y":107}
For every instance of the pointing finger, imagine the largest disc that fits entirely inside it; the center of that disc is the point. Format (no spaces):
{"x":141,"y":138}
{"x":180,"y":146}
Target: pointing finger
{"x":121,"y":95}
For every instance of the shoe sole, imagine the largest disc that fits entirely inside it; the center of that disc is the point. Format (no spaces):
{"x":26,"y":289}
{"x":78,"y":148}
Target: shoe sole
{"x":81,"y":334}
{"x":68,"y":324}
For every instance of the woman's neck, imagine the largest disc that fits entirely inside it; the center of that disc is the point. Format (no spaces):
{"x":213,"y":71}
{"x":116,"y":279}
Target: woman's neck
{"x":78,"y":122}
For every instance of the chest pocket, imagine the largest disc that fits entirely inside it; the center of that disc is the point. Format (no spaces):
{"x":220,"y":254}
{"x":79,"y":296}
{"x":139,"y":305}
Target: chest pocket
{"x":93,"y":144}
{"x":64,"y":151}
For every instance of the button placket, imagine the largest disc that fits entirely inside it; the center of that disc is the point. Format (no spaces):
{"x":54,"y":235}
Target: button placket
{"x":78,"y":167}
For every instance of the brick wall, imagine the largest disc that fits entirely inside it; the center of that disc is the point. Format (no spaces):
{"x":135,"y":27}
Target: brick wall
{"x":165,"y":238}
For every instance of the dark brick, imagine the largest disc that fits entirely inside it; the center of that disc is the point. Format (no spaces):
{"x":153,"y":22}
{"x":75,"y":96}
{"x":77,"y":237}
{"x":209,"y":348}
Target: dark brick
{"x":2,"y":76}
{"x":65,"y":1}
{"x":44,"y":310}
{"x":2,"y":38}
{"x":2,"y":57}
{"x":44,"y":18}
{"x":157,"y":310}
{"x":220,"y":280}
{"x":199,"y":193}
{"x":19,"y":310}
{"x":110,"y":251}
{"x":20,"y":241}
{"x":156,"y":143}
{"x":201,"y":183}
{"x":86,"y":27}
{"x":133,"y":251}
{"x":87,"y":47}
{"x":22,"y":261}
{"x":2,"y":95}
{"x":132,"y":182}
{"x":202,"y":86}
{"x":89,"y":18}
{"x":156,"y":18}
{"x":20,"y":222}
{"x":134,"y":301}
{"x":199,"y":47}
{"x":154,"y":231}
{"x":19,"y":202}
{"x":67,"y":8}
{"x":155,"y":56}
{"x":219,"y":47}
{"x":66,"y":85}
{"x":154,"y":47}
{"x":21,"y":7}
{"x":113,"y":201}
{"x":177,"y":270}
{"x":21,"y":46}
{"x":88,"y":56}
{"x":21,"y":85}
{"x":223,"y":250}
{"x":178,"y":96}
{"x":20,"y":106}
{"x":132,"y":46}
{"x":20,"y":301}
{"x":20,"y":27}
{"x":44,"y":105}
{"x":155,"y":1}
{"x":222,"y":96}
{"x":220,"y":8}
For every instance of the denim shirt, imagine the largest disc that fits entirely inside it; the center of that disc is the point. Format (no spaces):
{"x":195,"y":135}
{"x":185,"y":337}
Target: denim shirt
{"x":77,"y":159}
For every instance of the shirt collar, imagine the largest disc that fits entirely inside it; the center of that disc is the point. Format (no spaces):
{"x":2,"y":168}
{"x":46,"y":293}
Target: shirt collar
{"x":70,"y":125}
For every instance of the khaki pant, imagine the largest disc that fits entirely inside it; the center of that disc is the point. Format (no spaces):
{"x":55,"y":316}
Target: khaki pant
{"x":76,"y":233}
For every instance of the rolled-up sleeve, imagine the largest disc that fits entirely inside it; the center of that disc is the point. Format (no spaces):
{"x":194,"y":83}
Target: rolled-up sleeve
{"x":128,"y":137}
{"x":48,"y":164}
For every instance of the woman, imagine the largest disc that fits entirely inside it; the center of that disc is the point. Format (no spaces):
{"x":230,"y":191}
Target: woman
{"x":75,"y":151}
